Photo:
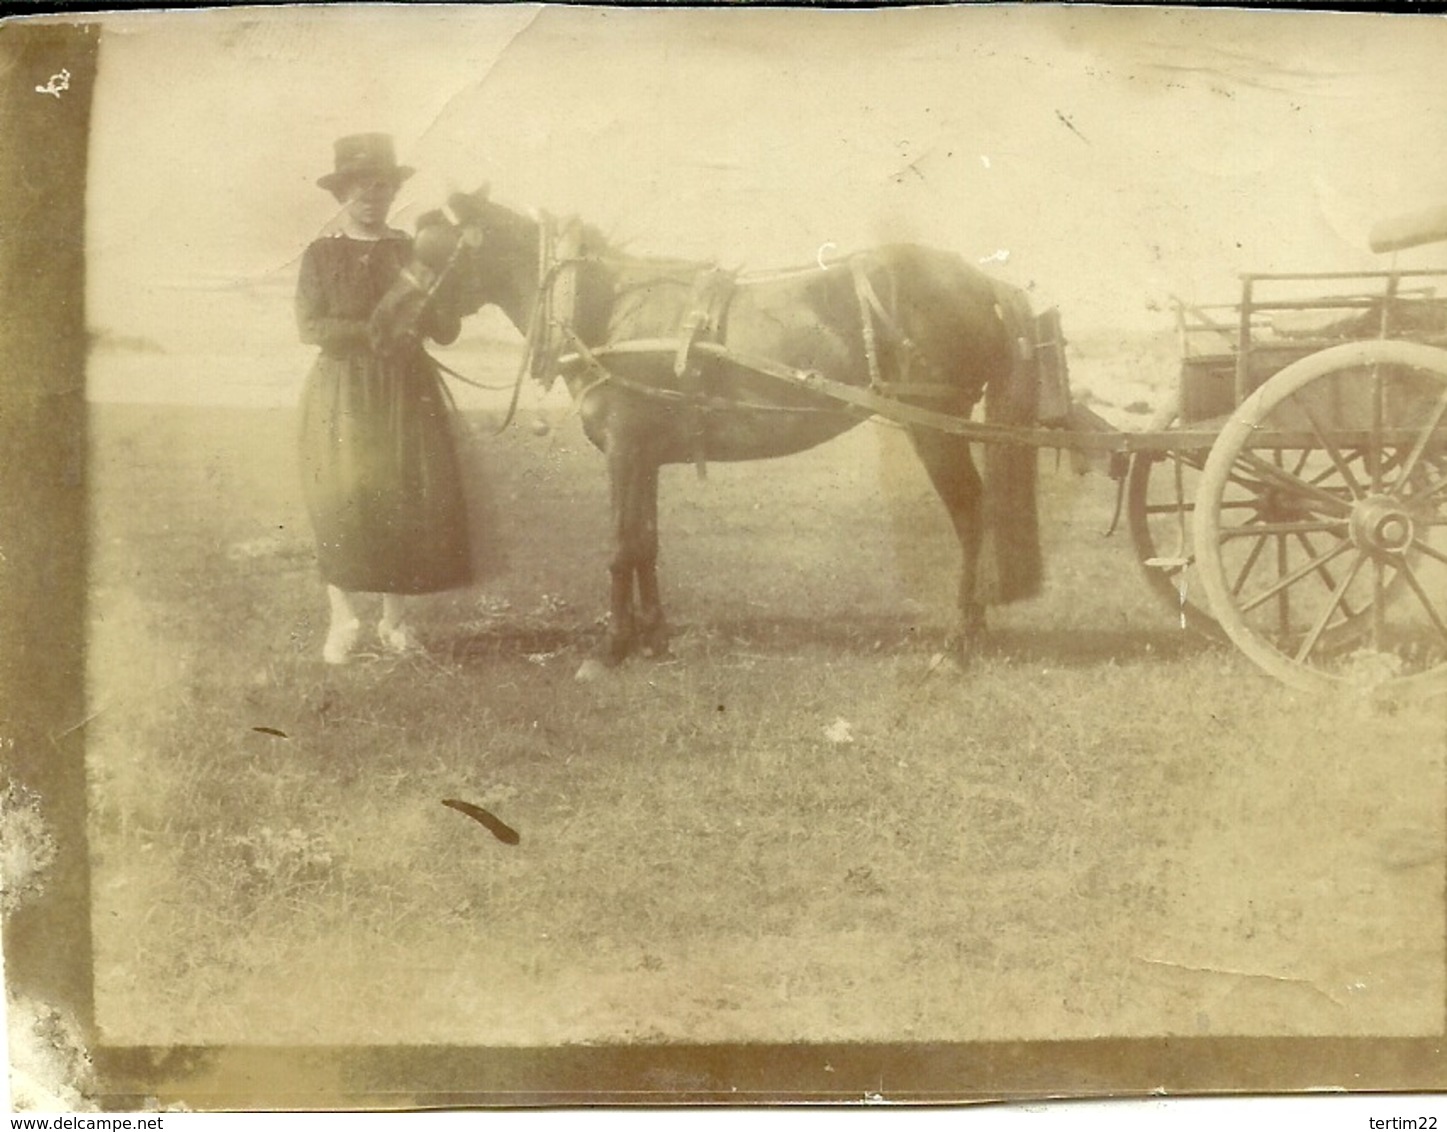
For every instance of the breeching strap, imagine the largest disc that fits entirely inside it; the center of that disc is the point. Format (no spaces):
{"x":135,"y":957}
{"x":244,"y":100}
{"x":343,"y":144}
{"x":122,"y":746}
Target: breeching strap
{"x":868,"y":301}
{"x":875,"y":316}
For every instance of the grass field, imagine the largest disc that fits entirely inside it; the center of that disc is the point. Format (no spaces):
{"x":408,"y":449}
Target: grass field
{"x":792,"y":829}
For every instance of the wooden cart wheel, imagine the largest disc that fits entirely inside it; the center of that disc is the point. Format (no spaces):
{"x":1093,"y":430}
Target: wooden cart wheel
{"x":1161,"y":495}
{"x":1335,"y":575}
{"x":1160,"y":500}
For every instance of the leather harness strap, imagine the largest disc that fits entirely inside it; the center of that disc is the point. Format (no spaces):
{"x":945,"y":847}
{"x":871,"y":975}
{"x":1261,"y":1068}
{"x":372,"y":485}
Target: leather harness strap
{"x":712,"y":290}
{"x":875,"y":316}
{"x":700,"y":337}
{"x":868,"y":302}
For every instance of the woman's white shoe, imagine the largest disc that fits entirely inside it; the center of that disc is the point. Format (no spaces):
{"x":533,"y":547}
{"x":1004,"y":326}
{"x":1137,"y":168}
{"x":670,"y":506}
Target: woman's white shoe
{"x":398,"y":638}
{"x":341,"y":640}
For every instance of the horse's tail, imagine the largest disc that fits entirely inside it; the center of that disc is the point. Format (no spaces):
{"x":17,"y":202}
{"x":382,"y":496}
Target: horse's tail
{"x":1011,"y":565}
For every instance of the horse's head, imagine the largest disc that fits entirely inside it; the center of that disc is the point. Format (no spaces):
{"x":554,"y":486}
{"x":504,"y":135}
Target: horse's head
{"x":484,"y":254}
{"x":545,"y":274}
{"x":492,"y":257}
{"x":481,"y":255}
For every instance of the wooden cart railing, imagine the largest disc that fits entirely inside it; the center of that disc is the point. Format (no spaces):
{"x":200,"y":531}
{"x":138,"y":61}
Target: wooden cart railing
{"x":1229,"y":351}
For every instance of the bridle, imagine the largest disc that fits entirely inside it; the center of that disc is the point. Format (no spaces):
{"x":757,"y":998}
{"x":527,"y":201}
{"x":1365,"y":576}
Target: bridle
{"x":540,"y":348}
{"x":547,"y":335}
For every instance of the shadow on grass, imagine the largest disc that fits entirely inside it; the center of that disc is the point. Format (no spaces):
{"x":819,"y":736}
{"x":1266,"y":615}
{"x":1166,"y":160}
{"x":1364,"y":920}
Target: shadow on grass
{"x":503,"y":641}
{"x":856,"y":636}
{"x":1083,"y":648}
{"x":1072,"y":647}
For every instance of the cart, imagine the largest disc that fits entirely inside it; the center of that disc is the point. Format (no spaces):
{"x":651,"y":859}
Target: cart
{"x":1293,"y":495}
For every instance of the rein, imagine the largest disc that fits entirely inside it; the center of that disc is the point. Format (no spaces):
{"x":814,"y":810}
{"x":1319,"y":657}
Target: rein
{"x":539,"y":352}
{"x":539,"y":318}
{"x":429,"y":290}
{"x":443,"y":367}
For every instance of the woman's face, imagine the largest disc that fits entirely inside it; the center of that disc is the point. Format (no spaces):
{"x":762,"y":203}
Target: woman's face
{"x":368,"y":201}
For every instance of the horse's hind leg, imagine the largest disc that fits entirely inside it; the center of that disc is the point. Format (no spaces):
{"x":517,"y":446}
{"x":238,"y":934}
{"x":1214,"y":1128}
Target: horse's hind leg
{"x":952,"y":470}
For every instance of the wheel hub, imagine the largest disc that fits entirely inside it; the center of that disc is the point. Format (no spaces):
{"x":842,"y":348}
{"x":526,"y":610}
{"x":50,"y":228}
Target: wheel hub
{"x":1381,"y":525}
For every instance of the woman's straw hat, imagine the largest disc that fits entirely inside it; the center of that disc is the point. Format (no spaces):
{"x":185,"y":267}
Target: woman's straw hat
{"x":363,"y":156}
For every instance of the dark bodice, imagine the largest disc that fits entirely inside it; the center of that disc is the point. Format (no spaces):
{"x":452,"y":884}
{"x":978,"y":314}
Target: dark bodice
{"x":340,"y":284}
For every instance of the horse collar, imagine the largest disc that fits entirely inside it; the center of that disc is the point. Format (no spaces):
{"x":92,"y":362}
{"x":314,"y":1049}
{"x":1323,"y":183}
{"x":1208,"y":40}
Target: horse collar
{"x":559,"y":250}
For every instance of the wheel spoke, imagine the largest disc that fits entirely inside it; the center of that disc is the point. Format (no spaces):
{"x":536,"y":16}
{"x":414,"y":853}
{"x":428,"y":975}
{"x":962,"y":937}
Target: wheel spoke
{"x":1282,"y":478}
{"x":1379,"y":605}
{"x":1357,"y":454}
{"x":1247,"y":483}
{"x":1326,"y":575}
{"x":1433,"y":492}
{"x":1283,"y":595}
{"x":1330,"y":449}
{"x":1337,"y":594}
{"x":1310,"y":527}
{"x":1429,"y":550}
{"x":1414,"y":457}
{"x":1394,"y":460}
{"x":1325,"y":474}
{"x":1374,"y":447}
{"x":1294,"y":576}
{"x":1247,"y":568}
{"x":1195,"y":462}
{"x":1414,"y":583}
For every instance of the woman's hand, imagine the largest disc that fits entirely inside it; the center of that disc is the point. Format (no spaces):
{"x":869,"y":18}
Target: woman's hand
{"x":395,"y":325}
{"x":436,"y":242}
{"x":406,"y":312}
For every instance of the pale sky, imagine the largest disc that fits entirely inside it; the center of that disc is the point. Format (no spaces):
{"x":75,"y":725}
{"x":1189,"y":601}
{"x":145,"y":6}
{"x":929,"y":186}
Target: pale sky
{"x":1110,"y":158}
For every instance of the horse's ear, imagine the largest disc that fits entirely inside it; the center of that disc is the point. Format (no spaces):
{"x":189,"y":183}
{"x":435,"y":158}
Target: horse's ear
{"x":468,"y":206}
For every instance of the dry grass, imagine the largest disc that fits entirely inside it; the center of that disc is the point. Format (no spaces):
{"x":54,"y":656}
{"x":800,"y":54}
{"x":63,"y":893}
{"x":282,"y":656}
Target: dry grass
{"x":792,"y":829}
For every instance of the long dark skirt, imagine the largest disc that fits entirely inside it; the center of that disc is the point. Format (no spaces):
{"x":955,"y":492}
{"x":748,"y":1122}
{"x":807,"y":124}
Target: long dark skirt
{"x":381,"y":476}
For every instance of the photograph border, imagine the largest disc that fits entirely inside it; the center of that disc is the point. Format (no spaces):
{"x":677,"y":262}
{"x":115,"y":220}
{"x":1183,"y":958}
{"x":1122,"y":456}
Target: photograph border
{"x":43,"y":601}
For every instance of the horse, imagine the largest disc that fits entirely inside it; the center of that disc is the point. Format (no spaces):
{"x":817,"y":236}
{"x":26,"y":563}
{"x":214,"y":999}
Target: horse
{"x":677,"y":362}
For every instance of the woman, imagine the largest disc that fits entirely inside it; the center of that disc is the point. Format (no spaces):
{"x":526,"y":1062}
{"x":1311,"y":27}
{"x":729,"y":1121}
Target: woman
{"x":379,"y":462}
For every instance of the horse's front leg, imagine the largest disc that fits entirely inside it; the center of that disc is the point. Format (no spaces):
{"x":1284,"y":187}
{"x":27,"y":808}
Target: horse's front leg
{"x":633,"y":481}
{"x":651,"y":629}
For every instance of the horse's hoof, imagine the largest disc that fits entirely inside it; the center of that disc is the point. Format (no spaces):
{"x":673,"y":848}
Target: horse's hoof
{"x":961,"y":651}
{"x":615,"y":652}
{"x":590,"y":670}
